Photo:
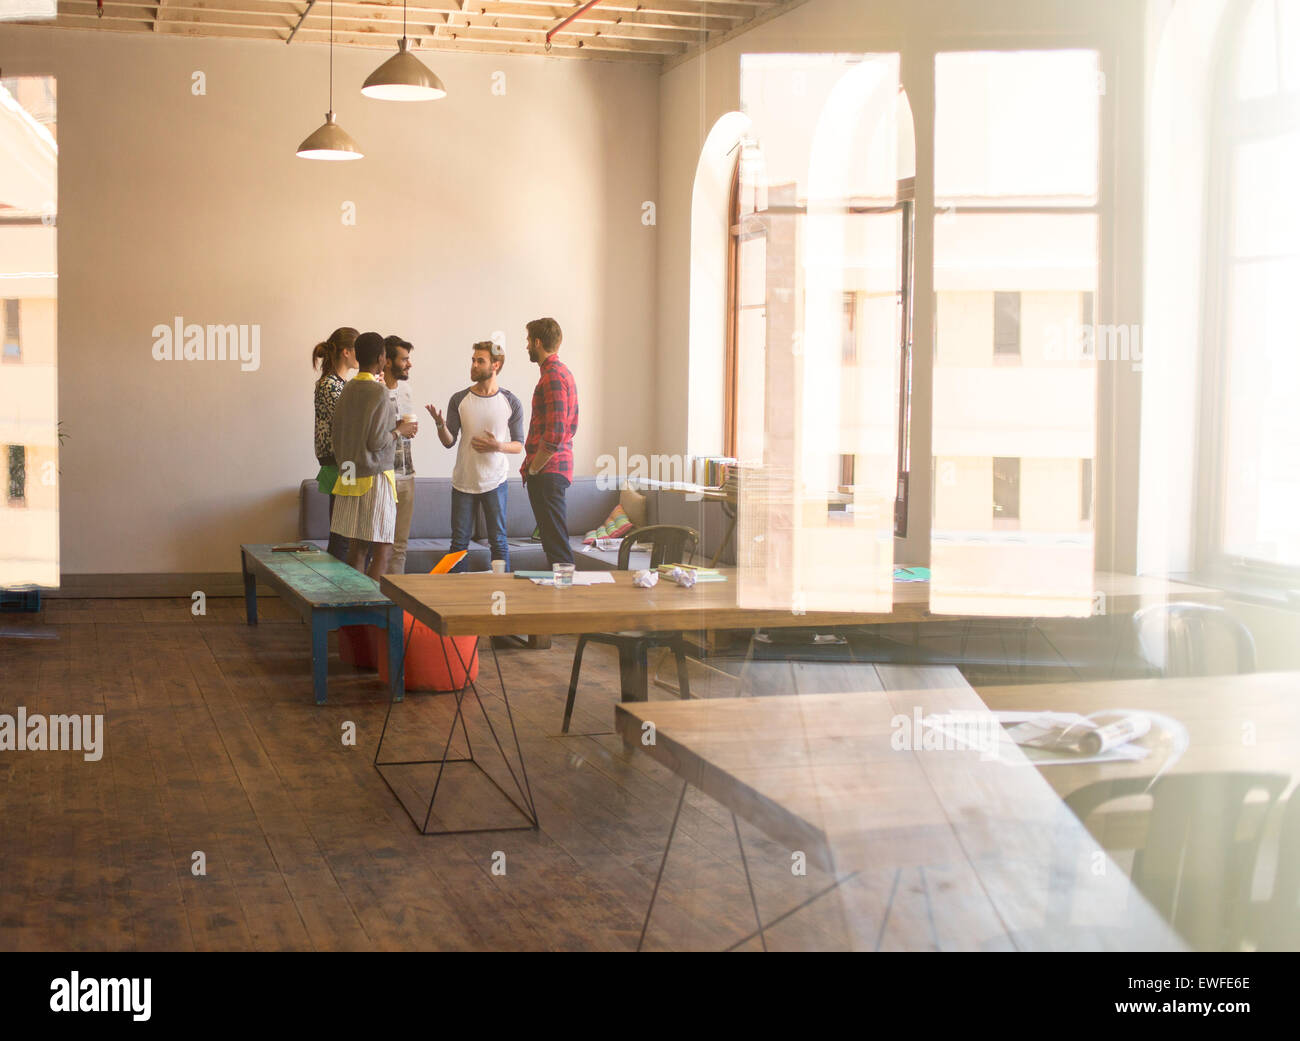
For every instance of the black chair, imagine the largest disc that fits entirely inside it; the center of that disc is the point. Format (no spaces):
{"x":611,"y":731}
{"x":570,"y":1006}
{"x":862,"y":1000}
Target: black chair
{"x":669,"y":544}
{"x":1198,"y":862}
{"x":1182,"y":640}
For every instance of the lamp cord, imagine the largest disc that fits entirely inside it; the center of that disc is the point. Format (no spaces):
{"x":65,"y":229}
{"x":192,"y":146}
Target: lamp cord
{"x":331,"y":55}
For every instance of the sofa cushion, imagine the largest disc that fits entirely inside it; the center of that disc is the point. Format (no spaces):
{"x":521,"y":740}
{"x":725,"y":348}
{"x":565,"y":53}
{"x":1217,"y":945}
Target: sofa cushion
{"x":587,"y":504}
{"x":616,"y":525}
{"x":431,"y":518}
{"x":313,"y":512}
{"x":634,"y":504}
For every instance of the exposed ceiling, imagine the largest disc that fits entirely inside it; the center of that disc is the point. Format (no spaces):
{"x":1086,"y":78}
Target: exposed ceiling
{"x":652,"y":31}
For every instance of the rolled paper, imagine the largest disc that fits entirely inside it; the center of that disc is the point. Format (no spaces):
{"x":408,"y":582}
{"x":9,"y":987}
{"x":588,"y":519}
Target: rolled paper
{"x":645,"y":579}
{"x":1103,"y":739}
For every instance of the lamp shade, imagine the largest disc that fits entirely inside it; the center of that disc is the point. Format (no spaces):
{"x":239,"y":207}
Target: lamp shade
{"x":329,"y":141}
{"x":403,"y":77}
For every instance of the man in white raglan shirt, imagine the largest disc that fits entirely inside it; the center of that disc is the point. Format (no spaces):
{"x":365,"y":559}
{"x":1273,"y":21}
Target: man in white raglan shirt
{"x":397,"y":371}
{"x":493,"y":422}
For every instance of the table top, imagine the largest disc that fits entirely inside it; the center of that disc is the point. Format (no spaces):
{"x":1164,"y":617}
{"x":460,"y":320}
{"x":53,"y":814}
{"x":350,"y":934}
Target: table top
{"x":492,"y":605}
{"x":1249,"y":722}
{"x":821,"y":773}
{"x":315,"y":578}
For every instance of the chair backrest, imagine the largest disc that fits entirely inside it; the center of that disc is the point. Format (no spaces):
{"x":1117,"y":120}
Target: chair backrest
{"x":1195,"y":868}
{"x":1281,"y":930}
{"x":1193,"y":640}
{"x":669,"y":544}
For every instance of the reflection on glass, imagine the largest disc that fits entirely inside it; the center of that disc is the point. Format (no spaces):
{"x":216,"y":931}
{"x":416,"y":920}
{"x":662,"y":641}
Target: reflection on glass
{"x":29,"y":523}
{"x":1011,"y":533}
{"x":1261,"y":488}
{"x":820,"y":270}
{"x":1016,"y":127}
{"x":1016,"y":347}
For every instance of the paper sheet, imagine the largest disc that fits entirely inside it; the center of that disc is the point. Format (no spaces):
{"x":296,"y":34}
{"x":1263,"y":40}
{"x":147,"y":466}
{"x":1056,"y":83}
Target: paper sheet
{"x":581,"y":578}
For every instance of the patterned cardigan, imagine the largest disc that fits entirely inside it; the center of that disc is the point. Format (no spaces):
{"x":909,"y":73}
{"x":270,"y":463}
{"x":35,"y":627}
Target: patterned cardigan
{"x":328,"y":389}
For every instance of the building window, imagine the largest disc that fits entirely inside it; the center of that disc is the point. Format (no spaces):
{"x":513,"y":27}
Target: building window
{"x":13,"y":350}
{"x":1006,"y":325}
{"x":17,"y":475}
{"x":1006,"y":490}
{"x":848,"y":332}
{"x":1252,"y":490}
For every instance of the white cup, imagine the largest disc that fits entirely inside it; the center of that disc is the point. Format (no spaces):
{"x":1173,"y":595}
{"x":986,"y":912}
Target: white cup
{"x":498,"y":567}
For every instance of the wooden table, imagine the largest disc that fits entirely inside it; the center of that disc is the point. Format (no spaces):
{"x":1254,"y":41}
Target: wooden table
{"x":490,"y":605}
{"x":1249,"y":722}
{"x":461,"y":605}
{"x":486,"y":604}
{"x":327,"y":593}
{"x":821,"y":774}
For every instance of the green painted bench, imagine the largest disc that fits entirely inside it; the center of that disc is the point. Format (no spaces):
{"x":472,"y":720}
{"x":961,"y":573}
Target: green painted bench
{"x":328,"y":594}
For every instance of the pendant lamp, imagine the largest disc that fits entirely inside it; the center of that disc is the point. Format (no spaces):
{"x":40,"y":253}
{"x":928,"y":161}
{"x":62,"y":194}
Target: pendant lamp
{"x":403,"y":77}
{"x":329,"y":140}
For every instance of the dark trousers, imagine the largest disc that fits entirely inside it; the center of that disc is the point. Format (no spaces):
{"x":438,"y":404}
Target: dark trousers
{"x":546,"y":493}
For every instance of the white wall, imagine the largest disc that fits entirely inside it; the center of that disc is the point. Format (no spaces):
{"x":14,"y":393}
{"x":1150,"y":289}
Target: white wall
{"x":474,"y":214}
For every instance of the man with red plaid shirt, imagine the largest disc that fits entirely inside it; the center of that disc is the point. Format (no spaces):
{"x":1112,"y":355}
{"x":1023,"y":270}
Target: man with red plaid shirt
{"x":548,"y":450}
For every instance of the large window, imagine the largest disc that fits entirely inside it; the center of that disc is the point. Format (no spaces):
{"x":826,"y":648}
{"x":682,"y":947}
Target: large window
{"x":29,"y":160}
{"x":1017,"y":202}
{"x":820,"y":289}
{"x":1252,"y":378}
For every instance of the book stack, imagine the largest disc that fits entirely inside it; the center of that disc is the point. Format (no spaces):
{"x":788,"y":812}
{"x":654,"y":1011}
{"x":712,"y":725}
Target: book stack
{"x":712,"y":471}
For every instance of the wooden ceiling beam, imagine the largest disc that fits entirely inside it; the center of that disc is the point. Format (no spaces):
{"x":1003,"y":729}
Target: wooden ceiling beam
{"x":194,"y":19}
{"x":382,"y":34}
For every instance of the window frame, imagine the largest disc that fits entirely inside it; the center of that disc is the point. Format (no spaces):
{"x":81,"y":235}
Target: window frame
{"x":1260,"y":118}
{"x":750,"y":225}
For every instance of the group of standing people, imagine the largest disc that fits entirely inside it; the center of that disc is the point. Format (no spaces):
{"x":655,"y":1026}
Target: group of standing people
{"x":364,"y":428}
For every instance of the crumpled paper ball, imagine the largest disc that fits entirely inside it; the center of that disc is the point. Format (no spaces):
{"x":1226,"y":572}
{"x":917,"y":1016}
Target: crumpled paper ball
{"x":645,"y":579}
{"x":684,"y":578}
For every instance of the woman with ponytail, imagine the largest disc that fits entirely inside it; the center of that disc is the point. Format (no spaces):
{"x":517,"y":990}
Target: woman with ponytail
{"x":335,"y":358}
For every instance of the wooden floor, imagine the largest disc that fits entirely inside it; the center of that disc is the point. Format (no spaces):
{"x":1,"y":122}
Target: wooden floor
{"x":213,"y":745}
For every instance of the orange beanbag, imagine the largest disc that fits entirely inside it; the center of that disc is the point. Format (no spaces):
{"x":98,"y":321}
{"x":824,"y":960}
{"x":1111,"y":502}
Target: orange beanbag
{"x":432,"y":661}
{"x":426,"y":666}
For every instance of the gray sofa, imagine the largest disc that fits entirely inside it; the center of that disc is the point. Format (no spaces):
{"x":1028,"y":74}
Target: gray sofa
{"x":587,"y":507}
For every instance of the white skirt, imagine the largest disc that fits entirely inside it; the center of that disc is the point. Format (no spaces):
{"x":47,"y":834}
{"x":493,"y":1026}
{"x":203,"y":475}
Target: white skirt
{"x":371,"y":517}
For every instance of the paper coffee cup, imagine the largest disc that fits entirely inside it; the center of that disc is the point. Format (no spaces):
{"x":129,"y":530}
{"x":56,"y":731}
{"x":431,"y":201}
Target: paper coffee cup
{"x":498,"y":567}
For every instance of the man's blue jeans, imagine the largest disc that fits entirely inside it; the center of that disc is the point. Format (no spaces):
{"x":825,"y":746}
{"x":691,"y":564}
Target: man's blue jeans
{"x":494,"y":514}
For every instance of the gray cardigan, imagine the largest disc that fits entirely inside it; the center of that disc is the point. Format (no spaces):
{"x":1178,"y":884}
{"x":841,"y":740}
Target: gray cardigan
{"x":364,"y":419}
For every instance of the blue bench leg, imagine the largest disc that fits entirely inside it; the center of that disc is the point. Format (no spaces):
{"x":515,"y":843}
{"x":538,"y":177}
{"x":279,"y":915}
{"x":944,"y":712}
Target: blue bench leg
{"x":250,"y":590}
{"x":320,"y":661}
{"x":396,"y":677}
